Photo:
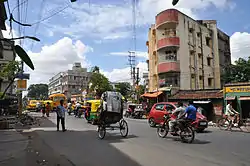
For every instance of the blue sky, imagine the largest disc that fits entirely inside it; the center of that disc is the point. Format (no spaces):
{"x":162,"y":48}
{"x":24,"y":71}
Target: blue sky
{"x":99,"y":32}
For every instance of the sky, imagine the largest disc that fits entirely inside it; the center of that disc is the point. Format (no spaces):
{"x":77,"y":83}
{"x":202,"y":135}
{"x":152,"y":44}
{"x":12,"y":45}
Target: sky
{"x":99,"y":32}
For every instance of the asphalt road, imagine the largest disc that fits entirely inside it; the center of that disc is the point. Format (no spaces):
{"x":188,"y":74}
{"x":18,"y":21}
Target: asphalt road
{"x":81,"y":146}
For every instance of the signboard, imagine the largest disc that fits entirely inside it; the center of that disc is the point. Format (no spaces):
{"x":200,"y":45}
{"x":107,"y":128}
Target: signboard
{"x":21,"y":85}
{"x":237,"y":89}
{"x":162,"y":82}
{"x":218,"y":109}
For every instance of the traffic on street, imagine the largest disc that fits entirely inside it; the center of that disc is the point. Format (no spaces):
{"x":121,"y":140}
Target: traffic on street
{"x":142,"y":147}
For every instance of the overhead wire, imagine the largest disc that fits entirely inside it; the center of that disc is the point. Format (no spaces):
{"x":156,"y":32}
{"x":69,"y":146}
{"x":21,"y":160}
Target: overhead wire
{"x":11,"y":31}
{"x":39,"y":18}
{"x":25,"y":17}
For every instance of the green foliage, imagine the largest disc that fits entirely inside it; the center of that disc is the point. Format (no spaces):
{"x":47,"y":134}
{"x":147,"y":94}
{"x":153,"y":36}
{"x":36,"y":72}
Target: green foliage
{"x":9,"y":70}
{"x":124,"y":88}
{"x":240,"y":72}
{"x":141,"y":90}
{"x":100,"y":84}
{"x":24,"y":56}
{"x":38,"y":91}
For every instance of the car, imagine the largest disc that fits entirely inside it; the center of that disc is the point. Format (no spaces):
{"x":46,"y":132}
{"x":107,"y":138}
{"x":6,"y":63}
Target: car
{"x":157,"y":112}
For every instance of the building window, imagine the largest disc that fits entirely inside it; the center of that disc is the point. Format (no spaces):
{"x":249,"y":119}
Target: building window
{"x":169,"y":33}
{"x":208,"y":41}
{"x":167,"y":80}
{"x":1,"y":54}
{"x":201,"y":81}
{"x":171,"y":55}
{"x":192,"y":81}
{"x":210,"y":82}
{"x":200,"y":59}
{"x":209,"y":60}
{"x":198,"y":34}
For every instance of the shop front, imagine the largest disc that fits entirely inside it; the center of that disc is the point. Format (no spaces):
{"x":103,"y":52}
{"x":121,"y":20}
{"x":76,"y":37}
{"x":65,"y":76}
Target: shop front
{"x":239,"y":96}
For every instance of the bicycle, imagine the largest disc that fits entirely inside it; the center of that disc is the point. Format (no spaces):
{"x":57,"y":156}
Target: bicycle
{"x":224,"y":122}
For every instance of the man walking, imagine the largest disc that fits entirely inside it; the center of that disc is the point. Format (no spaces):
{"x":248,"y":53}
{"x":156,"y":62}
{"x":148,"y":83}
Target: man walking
{"x":61,"y":115}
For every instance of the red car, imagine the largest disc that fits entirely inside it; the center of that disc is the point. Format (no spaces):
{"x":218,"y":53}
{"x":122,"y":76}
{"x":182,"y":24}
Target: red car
{"x":157,"y":112}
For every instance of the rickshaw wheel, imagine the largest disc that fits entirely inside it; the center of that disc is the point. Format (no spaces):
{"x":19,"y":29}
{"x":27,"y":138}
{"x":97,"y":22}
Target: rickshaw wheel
{"x":123,"y":128}
{"x":101,"y":131}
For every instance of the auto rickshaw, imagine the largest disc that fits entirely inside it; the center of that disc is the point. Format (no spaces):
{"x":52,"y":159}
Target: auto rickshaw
{"x":31,"y":105}
{"x":91,"y":113}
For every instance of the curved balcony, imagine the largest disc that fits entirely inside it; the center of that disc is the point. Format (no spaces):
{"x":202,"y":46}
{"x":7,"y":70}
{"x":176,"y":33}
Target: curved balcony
{"x":169,"y":16}
{"x":169,"y":67}
{"x":168,"y":42}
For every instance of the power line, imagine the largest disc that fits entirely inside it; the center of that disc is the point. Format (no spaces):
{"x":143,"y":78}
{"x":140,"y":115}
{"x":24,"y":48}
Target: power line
{"x":11,"y":32}
{"x":37,"y":25}
{"x":46,"y":18}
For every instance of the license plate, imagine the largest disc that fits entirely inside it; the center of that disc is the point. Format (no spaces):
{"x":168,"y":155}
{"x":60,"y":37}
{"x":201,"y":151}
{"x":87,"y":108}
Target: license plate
{"x":203,"y":123}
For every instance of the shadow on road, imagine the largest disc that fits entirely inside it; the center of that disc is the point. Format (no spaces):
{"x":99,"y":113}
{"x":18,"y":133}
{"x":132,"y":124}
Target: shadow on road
{"x":204,"y":132}
{"x":84,"y":147}
{"x":196,"y":141}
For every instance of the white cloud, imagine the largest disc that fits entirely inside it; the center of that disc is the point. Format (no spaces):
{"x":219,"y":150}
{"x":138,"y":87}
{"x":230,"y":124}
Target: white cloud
{"x":138,"y":54}
{"x":109,"y":21}
{"x":123,"y":75}
{"x":240,"y":45}
{"x":57,"y":58}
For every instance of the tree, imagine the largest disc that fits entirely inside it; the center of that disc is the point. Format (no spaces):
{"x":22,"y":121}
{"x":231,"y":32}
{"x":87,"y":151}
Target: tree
{"x":240,"y":72}
{"x":124,"y":88}
{"x":38,"y":91}
{"x":9,"y":71}
{"x":95,"y":69}
{"x":99,"y":84}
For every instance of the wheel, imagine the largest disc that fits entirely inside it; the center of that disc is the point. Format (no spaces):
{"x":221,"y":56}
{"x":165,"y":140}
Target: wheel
{"x":223,"y":123}
{"x":199,"y":130}
{"x":93,"y":122}
{"x":101,"y":131}
{"x":123,"y":128}
{"x":162,"y":130}
{"x":187,"y":135}
{"x":151,"y":122}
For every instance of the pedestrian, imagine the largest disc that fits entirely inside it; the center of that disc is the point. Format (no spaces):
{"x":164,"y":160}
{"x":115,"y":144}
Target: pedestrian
{"x":60,"y":111}
{"x":48,"y":109}
{"x":43,"y":109}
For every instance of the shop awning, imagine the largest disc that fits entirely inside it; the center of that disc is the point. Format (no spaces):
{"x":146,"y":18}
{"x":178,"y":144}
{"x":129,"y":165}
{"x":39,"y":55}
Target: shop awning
{"x":165,"y":89}
{"x":245,"y":98}
{"x":230,"y":97}
{"x":152,"y":95}
{"x":201,"y":102}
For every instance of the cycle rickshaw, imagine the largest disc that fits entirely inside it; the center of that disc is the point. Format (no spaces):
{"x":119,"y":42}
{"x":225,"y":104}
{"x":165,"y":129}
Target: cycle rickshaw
{"x":111,"y":112}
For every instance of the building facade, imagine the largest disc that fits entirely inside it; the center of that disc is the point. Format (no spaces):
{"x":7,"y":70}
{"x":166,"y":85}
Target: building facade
{"x":6,"y":51}
{"x":186,"y":54}
{"x":70,"y":82}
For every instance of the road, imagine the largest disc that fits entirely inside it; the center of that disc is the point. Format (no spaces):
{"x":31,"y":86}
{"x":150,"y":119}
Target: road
{"x":143,"y":147}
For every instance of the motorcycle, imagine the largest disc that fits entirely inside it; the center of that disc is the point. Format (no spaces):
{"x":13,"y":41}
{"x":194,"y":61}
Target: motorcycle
{"x":183,"y":128}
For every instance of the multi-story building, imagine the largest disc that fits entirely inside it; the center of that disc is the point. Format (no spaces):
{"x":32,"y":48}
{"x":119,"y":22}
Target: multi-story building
{"x":186,"y":54}
{"x":70,"y":82}
{"x":6,"y":51}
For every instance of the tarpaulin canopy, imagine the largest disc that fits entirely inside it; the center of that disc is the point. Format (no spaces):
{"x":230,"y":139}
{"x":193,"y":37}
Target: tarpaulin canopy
{"x":230,"y":97}
{"x":245,"y":98}
{"x":152,"y":95}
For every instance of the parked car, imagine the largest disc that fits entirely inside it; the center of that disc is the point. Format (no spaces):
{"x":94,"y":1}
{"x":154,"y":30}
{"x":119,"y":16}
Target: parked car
{"x":157,"y":112}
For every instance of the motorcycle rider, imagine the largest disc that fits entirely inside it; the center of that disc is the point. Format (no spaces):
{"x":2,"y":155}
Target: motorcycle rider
{"x":78,"y":105}
{"x":177,"y":112}
{"x":189,"y":113}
